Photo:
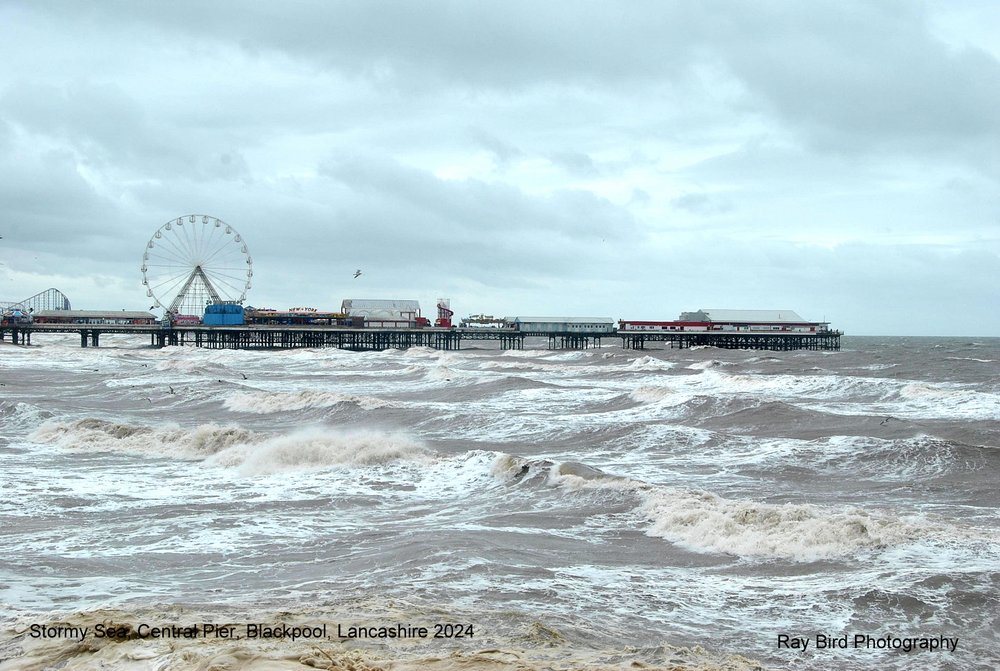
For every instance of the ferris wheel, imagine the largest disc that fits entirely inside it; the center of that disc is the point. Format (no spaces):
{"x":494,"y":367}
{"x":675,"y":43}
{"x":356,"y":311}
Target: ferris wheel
{"x":193,"y":261}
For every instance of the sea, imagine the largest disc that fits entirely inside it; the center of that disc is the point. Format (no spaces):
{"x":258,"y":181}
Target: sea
{"x":697,"y":509}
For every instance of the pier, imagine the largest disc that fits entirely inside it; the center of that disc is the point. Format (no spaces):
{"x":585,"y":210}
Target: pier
{"x":269,"y":337}
{"x":824,"y":340}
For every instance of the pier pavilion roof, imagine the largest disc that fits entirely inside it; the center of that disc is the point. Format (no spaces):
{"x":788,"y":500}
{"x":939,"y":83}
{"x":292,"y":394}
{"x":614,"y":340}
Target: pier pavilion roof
{"x":741,"y":316}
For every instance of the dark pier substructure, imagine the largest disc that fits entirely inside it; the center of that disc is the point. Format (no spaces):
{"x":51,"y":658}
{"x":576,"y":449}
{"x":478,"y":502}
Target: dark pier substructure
{"x":828,"y":340}
{"x":19,"y":335}
{"x":241,"y":337}
{"x":574,"y":340}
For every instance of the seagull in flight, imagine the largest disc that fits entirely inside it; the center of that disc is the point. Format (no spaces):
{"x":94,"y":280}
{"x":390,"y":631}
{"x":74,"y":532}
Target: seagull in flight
{"x":357,"y":273}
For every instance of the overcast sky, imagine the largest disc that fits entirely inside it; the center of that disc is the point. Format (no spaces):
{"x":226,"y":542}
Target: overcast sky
{"x":610,"y":159}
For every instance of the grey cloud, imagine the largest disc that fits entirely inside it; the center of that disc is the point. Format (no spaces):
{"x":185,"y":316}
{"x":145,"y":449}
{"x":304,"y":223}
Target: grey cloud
{"x":676,"y":147}
{"x":865,"y":76}
{"x":703,"y":203}
{"x":849,"y":76}
{"x":471,"y":209}
{"x":504,"y":152}
{"x":505,"y":44}
{"x":110,"y":131}
{"x":577,"y":163}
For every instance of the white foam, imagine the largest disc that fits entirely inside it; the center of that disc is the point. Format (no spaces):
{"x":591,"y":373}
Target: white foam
{"x":704,"y":522}
{"x":262,"y":402}
{"x":916,"y":400}
{"x":164,"y":440}
{"x":649,"y":363}
{"x":659,"y":394}
{"x":969,"y":358}
{"x":319,"y":448}
{"x":441,"y":374}
{"x":22,"y":415}
{"x":709,"y":363}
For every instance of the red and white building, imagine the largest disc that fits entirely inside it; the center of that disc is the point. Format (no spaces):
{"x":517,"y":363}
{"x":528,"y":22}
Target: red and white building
{"x":754,"y":321}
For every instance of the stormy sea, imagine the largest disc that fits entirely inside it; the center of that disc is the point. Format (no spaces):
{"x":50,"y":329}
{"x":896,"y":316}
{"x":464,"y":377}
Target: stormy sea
{"x":186,"y":508}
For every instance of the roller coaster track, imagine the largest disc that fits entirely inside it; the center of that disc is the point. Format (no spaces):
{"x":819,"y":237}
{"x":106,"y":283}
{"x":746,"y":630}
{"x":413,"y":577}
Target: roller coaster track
{"x":50,"y":299}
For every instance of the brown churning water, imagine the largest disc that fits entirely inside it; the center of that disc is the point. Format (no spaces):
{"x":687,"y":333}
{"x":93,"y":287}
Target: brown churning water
{"x":532,"y":508}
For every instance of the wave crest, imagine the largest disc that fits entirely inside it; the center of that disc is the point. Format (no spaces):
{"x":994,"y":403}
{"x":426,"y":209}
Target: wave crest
{"x":318,"y":448}
{"x":703,"y":521}
{"x":262,"y":402}
{"x":99,"y":434}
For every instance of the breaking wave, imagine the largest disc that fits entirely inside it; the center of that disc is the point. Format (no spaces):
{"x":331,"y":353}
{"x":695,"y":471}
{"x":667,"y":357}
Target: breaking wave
{"x":704,"y":522}
{"x":648,"y":363}
{"x":22,"y":415}
{"x":232,"y":447}
{"x":653,"y":394}
{"x":262,"y":402}
{"x":709,"y":363}
{"x":319,"y":448}
{"x":164,"y":440}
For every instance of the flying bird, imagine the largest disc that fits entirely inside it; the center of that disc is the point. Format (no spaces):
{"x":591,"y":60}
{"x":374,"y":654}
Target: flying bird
{"x":357,"y":273}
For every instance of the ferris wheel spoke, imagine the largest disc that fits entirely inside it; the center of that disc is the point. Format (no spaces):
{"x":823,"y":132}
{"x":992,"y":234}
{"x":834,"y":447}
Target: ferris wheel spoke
{"x":231,"y":279}
{"x":193,"y":233}
{"x":212,"y":233}
{"x":171,"y":265}
{"x":171,"y":260}
{"x":191,"y":238}
{"x":233,"y":290}
{"x":174,"y":275}
{"x":167,"y":247}
{"x":215,"y":237}
{"x":222,"y":249}
{"x":169,"y":288}
{"x":213,"y":259}
{"x":233,"y":273}
{"x":176,"y":248}
{"x":189,"y":243}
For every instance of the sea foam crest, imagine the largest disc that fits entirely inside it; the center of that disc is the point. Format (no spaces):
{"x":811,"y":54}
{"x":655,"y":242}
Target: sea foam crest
{"x":263,"y":402}
{"x":709,"y":363}
{"x":103,"y":435}
{"x":704,"y":522}
{"x":319,"y":448}
{"x":953,"y":400}
{"x":22,"y":415}
{"x":649,"y":363}
{"x":655,"y":394}
{"x":441,"y":373}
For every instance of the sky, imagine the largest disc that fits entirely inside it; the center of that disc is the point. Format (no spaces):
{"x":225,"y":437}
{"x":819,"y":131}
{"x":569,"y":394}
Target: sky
{"x":628,"y":160}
